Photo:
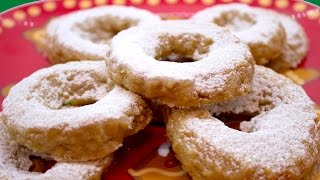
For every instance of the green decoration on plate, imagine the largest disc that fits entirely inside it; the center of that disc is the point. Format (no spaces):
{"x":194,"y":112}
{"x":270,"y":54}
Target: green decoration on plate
{"x":7,"y":4}
{"x":315,"y":2}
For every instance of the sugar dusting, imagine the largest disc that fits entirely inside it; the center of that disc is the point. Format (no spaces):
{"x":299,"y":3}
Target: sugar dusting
{"x":278,"y":141}
{"x":38,"y":99}
{"x":143,"y":44}
{"x":227,"y":56}
{"x":260,"y":30}
{"x":260,"y":22}
{"x":296,"y":45}
{"x":15,"y":163}
{"x":265,"y":94}
{"x":164,"y":149}
{"x":37,"y":116}
{"x":64,"y":31}
{"x":282,"y":141}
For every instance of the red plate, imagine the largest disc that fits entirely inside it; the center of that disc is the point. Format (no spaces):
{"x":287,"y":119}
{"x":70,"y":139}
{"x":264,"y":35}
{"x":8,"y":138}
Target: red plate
{"x":21,"y":40}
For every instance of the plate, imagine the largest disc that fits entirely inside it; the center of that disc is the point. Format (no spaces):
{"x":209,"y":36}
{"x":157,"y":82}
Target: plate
{"x":21,"y":43}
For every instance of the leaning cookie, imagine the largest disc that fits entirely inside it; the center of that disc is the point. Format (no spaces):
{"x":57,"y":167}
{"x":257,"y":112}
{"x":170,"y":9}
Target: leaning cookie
{"x":260,"y":30}
{"x":295,"y":48}
{"x":281,"y":141}
{"x":268,"y":90}
{"x":73,"y":112}
{"x":86,"y":34}
{"x":181,"y":63}
{"x":15,"y":163}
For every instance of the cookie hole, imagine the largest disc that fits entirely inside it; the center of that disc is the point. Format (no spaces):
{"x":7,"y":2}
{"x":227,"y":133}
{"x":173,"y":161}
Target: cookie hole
{"x":182,"y":48}
{"x":233,"y":120}
{"x":101,"y":30}
{"x":71,"y":89}
{"x":177,"y":59}
{"x":79,"y":102}
{"x":235,"y":21}
{"x":41,"y":165}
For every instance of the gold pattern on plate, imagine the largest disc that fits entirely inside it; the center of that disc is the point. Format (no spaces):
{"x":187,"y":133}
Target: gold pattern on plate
{"x":49,"y":6}
{"x":313,"y":14}
{"x":136,"y":2}
{"x":100,"y":2}
{"x":160,"y":172}
{"x":282,"y":4}
{"x":84,"y":4}
{"x":155,"y":168}
{"x":69,"y":4}
{"x":6,"y":89}
{"x":34,"y":11}
{"x":8,"y":23}
{"x":265,"y":3}
{"x":302,"y":75}
{"x":153,"y":2}
{"x":36,"y":36}
{"x":119,"y":2}
{"x":171,"y":1}
{"x":299,"y":6}
{"x":208,"y":2}
{"x":226,"y":1}
{"x":189,"y":1}
{"x":19,"y":15}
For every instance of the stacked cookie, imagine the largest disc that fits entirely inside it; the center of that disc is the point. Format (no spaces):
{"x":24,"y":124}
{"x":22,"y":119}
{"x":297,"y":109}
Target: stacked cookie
{"x":275,"y":40}
{"x":78,"y":113}
{"x":86,"y":34}
{"x":274,"y":144}
{"x":220,"y":66}
{"x":73,"y":114}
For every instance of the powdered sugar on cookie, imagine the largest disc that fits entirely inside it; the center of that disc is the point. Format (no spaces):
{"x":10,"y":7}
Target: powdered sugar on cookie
{"x":281,"y":141}
{"x":15,"y":163}
{"x":260,"y":30}
{"x":268,"y":90}
{"x":221,"y":69}
{"x":73,"y":112}
{"x":86,"y":34}
{"x":296,"y":45}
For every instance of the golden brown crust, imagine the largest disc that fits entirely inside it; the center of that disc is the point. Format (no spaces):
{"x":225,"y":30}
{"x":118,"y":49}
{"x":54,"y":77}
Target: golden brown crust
{"x":260,"y":30}
{"x":281,"y":141}
{"x":86,"y":34}
{"x":222,"y":69}
{"x":296,"y":45}
{"x":38,"y":115}
{"x":15,"y":163}
{"x":59,"y":53}
{"x":197,"y":140}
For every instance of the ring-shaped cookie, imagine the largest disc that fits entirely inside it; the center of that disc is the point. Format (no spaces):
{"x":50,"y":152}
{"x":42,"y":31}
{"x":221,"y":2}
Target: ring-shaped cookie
{"x":260,"y":30}
{"x":41,"y":112}
{"x":268,"y":90}
{"x":295,"y":47}
{"x":220,"y":67}
{"x":15,"y":163}
{"x":281,"y":142}
{"x":86,"y":34}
